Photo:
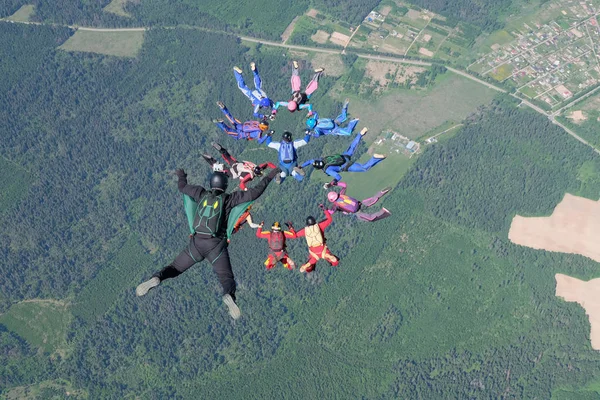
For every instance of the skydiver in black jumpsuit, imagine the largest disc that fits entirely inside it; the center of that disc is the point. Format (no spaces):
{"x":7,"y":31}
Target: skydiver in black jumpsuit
{"x":210,"y":240}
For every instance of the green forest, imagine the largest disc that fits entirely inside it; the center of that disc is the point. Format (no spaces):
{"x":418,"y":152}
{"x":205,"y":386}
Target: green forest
{"x":433,"y":302}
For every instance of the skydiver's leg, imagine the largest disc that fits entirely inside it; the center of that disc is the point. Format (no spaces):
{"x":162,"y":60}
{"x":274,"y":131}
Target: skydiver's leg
{"x":314,"y":82}
{"x":245,"y":179}
{"x":209,"y":159}
{"x":257,"y":80}
{"x":242,"y":85}
{"x":330,"y":258}
{"x":347,"y":131}
{"x":358,"y":167}
{"x":270,"y":262}
{"x":381,"y":214}
{"x":288,"y":262}
{"x":228,"y":130}
{"x":342,"y":117}
{"x":296,"y":82}
{"x":309,"y":266}
{"x":217,"y":254}
{"x":188,"y":257}
{"x":298,"y":174}
{"x":230,"y":118}
{"x":372,"y":200}
{"x":267,"y":165}
{"x":353,"y":145}
{"x":229,"y":159}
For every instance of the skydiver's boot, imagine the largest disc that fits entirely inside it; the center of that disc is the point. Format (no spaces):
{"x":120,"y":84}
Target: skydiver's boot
{"x":253,"y":66}
{"x":299,"y":171}
{"x":364,"y":131}
{"x":209,"y":159}
{"x":379,"y":156}
{"x":217,"y":121}
{"x":221,"y":105}
{"x":144,"y":287}
{"x":237,"y":69}
{"x":218,"y":147}
{"x":295,"y":63}
{"x":278,"y":178}
{"x":234,"y":310}
{"x":319,"y":70}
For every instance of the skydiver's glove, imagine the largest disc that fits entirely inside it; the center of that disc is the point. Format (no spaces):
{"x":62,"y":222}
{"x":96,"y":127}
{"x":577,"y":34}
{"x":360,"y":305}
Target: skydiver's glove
{"x":307,"y":132}
{"x":322,"y":207}
{"x":274,"y":172}
{"x":180,"y":173}
{"x":273,"y":114}
{"x":289,"y":225}
{"x":334,"y":182}
{"x":310,"y":114}
{"x":326,"y":186}
{"x":271,"y":133}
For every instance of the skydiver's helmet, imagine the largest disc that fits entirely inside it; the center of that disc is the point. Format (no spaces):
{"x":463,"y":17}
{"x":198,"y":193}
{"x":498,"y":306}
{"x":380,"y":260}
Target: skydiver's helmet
{"x":257,"y":171}
{"x":311,"y":123}
{"x":276,"y":226}
{"x":292,"y":106}
{"x":265,"y":102}
{"x":287,"y":136}
{"x":332,"y":196}
{"x":318,"y":164}
{"x":263,"y":126}
{"x":310,"y":220}
{"x":218,"y":181}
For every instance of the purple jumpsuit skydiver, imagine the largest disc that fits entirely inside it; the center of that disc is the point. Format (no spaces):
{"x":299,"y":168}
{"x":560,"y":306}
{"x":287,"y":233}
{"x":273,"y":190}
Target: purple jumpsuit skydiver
{"x":258,"y":97}
{"x":248,"y":130}
{"x":349,"y":205}
{"x":299,"y":99}
{"x":346,"y":163}
{"x":327,"y":126}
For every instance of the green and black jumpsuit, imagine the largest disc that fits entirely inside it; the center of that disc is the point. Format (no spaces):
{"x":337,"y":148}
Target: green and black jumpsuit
{"x":212,"y":248}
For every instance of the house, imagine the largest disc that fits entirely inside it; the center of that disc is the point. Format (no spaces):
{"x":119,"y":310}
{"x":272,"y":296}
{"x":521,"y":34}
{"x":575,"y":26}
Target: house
{"x":411,"y":146}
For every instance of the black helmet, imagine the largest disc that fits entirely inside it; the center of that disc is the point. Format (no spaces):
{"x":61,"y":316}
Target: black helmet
{"x":257,"y":171}
{"x":287,"y":136}
{"x":218,"y":180}
{"x":310,"y":220}
{"x":318,"y":164}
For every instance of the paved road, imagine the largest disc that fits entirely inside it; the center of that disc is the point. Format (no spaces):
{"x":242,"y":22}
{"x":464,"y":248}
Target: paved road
{"x":361,"y":55}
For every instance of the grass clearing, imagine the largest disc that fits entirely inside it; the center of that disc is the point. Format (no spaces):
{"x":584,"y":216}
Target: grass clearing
{"x":117,"y":7}
{"x":502,"y":72}
{"x":56,"y":389}
{"x":23,"y":14}
{"x":413,"y":113}
{"x":14,"y":181}
{"x":120,"y":44}
{"x":42,"y":323}
{"x":500,"y":37}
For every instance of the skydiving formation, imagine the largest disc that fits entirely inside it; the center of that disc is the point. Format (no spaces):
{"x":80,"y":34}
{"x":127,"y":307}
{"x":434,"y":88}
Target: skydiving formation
{"x":334,"y":164}
{"x":327,"y":126}
{"x":214,"y":215}
{"x":300,"y":99}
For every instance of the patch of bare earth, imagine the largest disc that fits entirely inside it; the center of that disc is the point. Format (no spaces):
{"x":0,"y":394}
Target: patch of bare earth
{"x":339,"y":38}
{"x":320,"y":37}
{"x":382,"y":72}
{"x":573,"y":227}
{"x":288,"y":31}
{"x":312,"y":13}
{"x":333,"y":64}
{"x":577,"y":116}
{"x":385,"y":10}
{"x":408,"y":74}
{"x":586,"y":294}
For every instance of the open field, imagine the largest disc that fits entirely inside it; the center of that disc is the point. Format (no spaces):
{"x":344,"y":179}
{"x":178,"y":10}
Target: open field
{"x":573,"y":227}
{"x":43,"y":323}
{"x":14,"y":182}
{"x":47,"y":390}
{"x":587,"y":295}
{"x":120,"y":44}
{"x":23,"y":14}
{"x":117,"y":7}
{"x":413,"y":113}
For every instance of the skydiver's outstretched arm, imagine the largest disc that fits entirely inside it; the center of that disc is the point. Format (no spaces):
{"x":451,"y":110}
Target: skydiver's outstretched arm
{"x":262,"y":234}
{"x":328,"y":219}
{"x":194,"y":191}
{"x":306,"y":106}
{"x":333,"y":172}
{"x":273,"y":145}
{"x":301,"y":142}
{"x":307,"y":163}
{"x":239,"y":196}
{"x":251,"y":223}
{"x":343,"y":186}
{"x":280,"y":104}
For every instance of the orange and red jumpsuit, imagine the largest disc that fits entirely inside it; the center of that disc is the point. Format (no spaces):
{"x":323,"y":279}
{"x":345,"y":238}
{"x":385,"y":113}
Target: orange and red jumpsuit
{"x":277,"y":247}
{"x":317,"y":249}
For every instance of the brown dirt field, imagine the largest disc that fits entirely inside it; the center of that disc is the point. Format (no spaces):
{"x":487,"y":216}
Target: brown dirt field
{"x":577,"y":116}
{"x":312,"y":13}
{"x":406,"y":73}
{"x":320,"y":37}
{"x":388,"y":48}
{"x":573,"y":227}
{"x":377,"y":70}
{"x":385,"y":10}
{"x":333,"y":64}
{"x":288,"y":31}
{"x":587,"y":294}
{"x":339,"y":38}
{"x":426,"y":52}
